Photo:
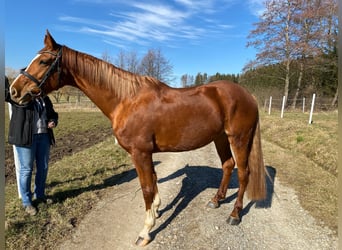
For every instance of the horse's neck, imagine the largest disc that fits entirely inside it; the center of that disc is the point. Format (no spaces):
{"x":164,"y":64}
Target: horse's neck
{"x":100,"y":88}
{"x":103,"y":98}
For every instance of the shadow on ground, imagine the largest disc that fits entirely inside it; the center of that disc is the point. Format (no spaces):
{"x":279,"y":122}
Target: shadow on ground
{"x":199,"y":178}
{"x":118,"y":179}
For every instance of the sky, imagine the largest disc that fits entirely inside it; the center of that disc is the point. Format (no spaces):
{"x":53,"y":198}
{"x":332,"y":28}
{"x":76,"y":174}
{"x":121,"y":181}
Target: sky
{"x":203,"y":36}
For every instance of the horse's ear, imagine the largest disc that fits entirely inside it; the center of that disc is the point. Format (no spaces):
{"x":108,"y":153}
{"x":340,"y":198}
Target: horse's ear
{"x":49,"y":41}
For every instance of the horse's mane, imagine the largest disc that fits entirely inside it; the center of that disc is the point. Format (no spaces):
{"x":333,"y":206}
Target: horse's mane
{"x":98,"y":72}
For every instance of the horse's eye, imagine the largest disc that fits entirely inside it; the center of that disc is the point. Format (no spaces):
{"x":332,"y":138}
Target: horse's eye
{"x":43,"y":62}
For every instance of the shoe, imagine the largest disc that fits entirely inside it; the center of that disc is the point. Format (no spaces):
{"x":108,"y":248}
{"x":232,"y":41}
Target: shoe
{"x":31,"y":210}
{"x":47,"y":201}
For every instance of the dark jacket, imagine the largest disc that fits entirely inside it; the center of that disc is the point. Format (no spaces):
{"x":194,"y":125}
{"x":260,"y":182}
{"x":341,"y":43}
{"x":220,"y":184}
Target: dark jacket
{"x":21,"y":123}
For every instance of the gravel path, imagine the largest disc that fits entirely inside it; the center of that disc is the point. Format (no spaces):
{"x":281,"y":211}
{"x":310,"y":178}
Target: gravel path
{"x":187,"y":181}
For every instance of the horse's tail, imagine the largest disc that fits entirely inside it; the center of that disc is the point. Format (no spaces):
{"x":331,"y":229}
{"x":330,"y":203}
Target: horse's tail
{"x":256,"y":188}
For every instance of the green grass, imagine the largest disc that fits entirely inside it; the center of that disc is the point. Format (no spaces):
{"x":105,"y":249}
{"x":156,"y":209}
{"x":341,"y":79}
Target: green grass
{"x":318,"y":141}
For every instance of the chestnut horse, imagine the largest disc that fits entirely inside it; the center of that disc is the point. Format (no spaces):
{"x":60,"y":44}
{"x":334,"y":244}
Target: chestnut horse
{"x":148,"y":116}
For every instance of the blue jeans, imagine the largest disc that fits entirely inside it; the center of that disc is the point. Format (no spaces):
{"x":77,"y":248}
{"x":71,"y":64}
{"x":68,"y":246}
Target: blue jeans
{"x":38,"y":152}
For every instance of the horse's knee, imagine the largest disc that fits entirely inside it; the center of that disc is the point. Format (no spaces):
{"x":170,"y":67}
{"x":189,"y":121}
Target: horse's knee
{"x":148,"y":194}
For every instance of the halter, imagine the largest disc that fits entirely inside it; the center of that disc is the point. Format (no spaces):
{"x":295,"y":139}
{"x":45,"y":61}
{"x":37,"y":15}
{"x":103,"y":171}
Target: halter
{"x":48,"y":72}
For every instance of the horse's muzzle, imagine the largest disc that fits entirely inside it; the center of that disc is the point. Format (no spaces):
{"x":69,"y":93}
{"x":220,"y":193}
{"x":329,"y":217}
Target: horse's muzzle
{"x":25,"y":98}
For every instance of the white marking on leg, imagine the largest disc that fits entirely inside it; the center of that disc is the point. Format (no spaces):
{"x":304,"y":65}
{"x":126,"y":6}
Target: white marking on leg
{"x":233,"y":154}
{"x":149,"y":223}
{"x":156,"y":203}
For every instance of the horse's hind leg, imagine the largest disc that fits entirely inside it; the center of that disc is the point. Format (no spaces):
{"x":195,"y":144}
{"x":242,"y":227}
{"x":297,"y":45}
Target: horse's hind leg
{"x":228,"y":163}
{"x":240,"y":155}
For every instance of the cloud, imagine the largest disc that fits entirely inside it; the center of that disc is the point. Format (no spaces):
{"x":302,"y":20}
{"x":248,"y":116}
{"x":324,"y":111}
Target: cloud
{"x":256,"y":7}
{"x":144,"y":23}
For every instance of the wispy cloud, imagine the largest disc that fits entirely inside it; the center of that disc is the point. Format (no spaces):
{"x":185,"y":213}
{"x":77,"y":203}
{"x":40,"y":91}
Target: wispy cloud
{"x":257,"y":7}
{"x":144,"y":23}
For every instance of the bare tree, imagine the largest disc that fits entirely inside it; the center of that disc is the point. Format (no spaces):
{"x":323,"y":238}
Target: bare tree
{"x":187,"y":80}
{"x":11,"y":73}
{"x":292,"y":33}
{"x":156,"y":65}
{"x":152,"y":64}
{"x":132,"y":62}
{"x":330,"y":32}
{"x":120,"y":60}
{"x":106,"y":57}
{"x":315,"y":22}
{"x":272,"y":38}
{"x":128,"y":61}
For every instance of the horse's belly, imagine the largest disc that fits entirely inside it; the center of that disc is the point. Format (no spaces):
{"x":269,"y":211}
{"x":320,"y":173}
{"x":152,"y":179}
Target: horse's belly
{"x":174,"y":139}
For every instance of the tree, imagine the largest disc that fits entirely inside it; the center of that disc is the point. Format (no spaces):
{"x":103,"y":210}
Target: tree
{"x":329,"y":47}
{"x":154,"y":64}
{"x":296,"y":35}
{"x":187,"y":80}
{"x":315,"y":24}
{"x":120,"y":60}
{"x":11,"y":73}
{"x":106,"y":57}
{"x":128,"y":61}
{"x":272,"y":38}
{"x":229,"y":77}
{"x":200,"y":79}
{"x":132,"y":62}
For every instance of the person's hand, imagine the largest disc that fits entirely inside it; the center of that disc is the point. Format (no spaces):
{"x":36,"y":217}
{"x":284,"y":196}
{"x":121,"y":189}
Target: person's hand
{"x":51,"y":124}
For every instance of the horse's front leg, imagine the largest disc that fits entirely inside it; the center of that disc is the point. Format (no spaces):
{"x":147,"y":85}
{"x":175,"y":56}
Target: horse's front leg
{"x":156,"y":200}
{"x":148,"y":181}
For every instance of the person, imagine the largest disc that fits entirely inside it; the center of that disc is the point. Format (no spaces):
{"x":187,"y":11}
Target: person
{"x":30,"y":130}
{"x":15,"y":154}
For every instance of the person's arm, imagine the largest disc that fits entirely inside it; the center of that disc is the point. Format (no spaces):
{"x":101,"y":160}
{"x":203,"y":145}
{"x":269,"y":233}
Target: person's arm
{"x":7,"y":91}
{"x":52,"y":115}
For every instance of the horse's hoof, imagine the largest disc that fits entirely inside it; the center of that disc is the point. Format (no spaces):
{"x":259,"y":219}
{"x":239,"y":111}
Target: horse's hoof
{"x":233,"y":221}
{"x":212,"y":204}
{"x":141,"y":242}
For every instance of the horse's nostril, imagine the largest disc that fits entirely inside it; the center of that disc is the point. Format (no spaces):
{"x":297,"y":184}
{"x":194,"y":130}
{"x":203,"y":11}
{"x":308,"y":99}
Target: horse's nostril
{"x":13,"y":92}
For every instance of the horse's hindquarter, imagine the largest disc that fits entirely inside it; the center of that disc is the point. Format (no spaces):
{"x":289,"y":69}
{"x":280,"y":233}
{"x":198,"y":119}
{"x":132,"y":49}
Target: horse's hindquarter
{"x":240,"y":107}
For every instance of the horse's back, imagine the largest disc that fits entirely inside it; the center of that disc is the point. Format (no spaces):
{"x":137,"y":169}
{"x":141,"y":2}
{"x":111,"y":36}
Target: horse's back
{"x":233,"y":91}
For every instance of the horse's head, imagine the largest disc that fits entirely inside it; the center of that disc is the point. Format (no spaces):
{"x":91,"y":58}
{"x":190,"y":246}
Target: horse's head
{"x":41,"y":75}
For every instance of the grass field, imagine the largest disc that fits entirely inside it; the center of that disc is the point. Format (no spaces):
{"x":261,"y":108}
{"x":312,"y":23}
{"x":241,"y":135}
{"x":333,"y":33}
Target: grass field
{"x":318,"y":141}
{"x":78,"y":180}
{"x":316,"y":145}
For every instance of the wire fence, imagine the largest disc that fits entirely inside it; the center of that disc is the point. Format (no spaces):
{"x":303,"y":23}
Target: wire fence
{"x":303,"y":104}
{"x":74,"y":102}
